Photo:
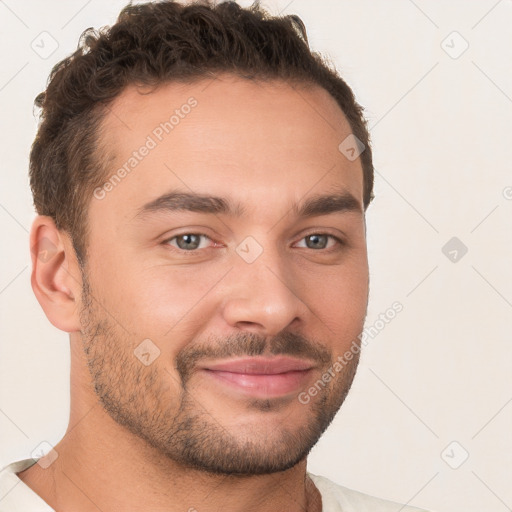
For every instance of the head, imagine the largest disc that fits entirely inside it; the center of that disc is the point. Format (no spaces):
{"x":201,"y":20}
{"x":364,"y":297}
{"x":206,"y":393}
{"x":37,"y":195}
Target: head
{"x":193,"y":186}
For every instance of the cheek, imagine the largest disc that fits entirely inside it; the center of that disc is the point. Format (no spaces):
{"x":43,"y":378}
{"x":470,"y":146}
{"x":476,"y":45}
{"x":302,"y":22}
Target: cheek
{"x":340,"y":297}
{"x":165,"y":303}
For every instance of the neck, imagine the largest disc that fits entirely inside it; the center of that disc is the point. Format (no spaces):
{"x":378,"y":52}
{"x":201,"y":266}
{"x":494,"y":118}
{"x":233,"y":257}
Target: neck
{"x":90,"y":477}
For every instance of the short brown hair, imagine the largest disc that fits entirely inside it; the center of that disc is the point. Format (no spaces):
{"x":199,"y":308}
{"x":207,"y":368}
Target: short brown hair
{"x":151,"y":44}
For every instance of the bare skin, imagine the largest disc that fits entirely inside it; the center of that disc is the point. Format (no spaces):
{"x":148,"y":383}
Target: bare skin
{"x":267,"y":146}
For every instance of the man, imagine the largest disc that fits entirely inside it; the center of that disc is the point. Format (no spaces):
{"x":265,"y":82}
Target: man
{"x":201,"y":180}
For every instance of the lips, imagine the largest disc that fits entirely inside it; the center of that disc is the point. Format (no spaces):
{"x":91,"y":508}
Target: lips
{"x":261,"y":366}
{"x":259,"y":376}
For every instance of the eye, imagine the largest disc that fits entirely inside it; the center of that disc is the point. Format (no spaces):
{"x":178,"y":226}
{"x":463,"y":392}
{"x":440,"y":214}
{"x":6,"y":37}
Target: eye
{"x":320,"y":240}
{"x":192,"y":242}
{"x":187,"y":241}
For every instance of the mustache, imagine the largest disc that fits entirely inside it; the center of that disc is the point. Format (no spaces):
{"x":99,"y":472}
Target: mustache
{"x":250,"y":344}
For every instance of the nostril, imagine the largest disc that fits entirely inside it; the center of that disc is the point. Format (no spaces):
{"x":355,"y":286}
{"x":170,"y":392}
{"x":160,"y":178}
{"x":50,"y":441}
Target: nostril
{"x":245,"y":324}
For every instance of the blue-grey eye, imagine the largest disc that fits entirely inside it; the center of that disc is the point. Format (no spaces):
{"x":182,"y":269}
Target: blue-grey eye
{"x":317,"y":241}
{"x":188,"y":241}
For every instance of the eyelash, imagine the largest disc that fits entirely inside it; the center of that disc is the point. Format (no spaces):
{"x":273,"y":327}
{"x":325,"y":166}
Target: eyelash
{"x":338,"y":241}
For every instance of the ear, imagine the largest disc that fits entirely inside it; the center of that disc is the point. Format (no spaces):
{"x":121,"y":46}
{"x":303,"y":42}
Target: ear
{"x":56,"y":278}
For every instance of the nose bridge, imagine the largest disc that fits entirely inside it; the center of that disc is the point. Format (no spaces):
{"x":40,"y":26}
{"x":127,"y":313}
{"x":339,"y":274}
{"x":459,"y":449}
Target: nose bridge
{"x":260,"y":291}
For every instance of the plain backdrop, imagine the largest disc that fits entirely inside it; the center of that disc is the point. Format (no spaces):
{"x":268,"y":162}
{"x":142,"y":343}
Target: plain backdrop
{"x":428,"y":420}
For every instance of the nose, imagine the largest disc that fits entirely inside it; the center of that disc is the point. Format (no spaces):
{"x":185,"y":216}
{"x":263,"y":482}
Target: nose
{"x":262,"y":296}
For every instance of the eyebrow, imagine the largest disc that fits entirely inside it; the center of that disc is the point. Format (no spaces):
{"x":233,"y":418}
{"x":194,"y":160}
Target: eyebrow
{"x":193,"y":202}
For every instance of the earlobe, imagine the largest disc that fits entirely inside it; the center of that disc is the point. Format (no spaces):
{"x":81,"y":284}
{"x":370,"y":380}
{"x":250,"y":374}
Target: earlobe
{"x":55,"y":279}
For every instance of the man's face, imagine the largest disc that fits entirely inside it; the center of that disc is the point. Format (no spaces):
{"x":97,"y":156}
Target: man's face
{"x":240,"y":311}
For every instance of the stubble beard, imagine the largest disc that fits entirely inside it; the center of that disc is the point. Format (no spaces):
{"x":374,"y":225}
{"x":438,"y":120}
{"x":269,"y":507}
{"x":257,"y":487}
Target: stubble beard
{"x":140,"y":398}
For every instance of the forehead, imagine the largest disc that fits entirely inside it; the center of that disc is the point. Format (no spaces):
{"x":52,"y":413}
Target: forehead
{"x":227,"y":136}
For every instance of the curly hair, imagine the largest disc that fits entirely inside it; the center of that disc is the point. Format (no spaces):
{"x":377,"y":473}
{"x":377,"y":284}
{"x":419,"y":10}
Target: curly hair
{"x":151,"y":44}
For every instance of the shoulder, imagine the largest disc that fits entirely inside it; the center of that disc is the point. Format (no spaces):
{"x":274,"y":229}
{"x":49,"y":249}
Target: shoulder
{"x":336,"y":498}
{"x":15,"y":495}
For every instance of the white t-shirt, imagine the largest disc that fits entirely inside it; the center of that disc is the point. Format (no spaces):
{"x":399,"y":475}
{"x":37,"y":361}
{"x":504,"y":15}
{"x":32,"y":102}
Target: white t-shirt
{"x":16,"y":496}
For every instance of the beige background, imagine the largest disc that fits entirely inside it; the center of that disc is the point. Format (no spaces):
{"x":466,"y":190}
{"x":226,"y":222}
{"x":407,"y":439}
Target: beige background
{"x":440,"y":120}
